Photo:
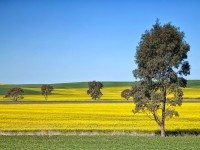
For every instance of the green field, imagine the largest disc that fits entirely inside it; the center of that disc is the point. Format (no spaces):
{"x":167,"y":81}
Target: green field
{"x":77,"y":91}
{"x":98,"y":143}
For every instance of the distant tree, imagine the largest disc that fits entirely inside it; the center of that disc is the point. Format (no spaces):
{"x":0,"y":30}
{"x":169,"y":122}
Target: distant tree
{"x":161,"y":66}
{"x":95,"y":89}
{"x":46,"y":90}
{"x":127,"y":93}
{"x":15,"y":94}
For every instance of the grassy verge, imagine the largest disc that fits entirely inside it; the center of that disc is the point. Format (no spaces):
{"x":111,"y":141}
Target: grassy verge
{"x":98,"y":142}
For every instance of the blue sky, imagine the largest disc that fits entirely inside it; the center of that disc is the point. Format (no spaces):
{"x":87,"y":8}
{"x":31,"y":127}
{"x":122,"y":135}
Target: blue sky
{"x":82,"y":40}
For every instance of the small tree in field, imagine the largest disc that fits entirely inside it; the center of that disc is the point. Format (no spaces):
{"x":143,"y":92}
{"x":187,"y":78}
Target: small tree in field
{"x":95,"y":89}
{"x":46,"y":90}
{"x":15,"y":94}
{"x":127,"y":93}
{"x":161,"y":66}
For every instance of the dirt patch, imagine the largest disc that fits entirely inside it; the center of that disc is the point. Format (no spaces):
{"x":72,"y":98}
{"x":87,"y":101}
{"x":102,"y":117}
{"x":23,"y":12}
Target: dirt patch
{"x":51,"y":133}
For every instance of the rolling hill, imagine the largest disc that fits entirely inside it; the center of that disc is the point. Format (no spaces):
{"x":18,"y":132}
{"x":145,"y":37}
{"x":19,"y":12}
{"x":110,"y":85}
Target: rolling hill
{"x":77,"y":90}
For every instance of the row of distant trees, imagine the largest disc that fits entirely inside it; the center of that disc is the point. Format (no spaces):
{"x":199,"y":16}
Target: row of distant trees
{"x":17,"y":93}
{"x":94,"y":91}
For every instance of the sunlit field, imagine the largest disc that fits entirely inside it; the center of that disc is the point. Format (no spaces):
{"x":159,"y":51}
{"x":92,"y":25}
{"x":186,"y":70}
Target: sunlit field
{"x":90,"y":117}
{"x":109,"y":93}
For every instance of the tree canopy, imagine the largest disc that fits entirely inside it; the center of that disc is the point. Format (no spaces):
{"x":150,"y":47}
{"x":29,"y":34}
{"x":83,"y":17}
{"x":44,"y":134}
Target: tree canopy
{"x":15,"y":94}
{"x":95,"y":89}
{"x":127,"y":93}
{"x":46,"y":90}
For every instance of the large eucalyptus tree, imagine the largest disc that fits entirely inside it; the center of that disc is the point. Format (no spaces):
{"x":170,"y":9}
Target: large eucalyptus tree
{"x":161,"y":66}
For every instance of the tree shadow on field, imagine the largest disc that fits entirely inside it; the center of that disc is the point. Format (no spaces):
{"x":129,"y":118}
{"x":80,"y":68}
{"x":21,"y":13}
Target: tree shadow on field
{"x":183,"y":132}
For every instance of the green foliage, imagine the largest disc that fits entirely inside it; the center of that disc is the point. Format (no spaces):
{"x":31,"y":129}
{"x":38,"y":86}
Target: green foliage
{"x":161,"y":65}
{"x":126,"y":94}
{"x":46,"y":90}
{"x":95,"y":89}
{"x":15,"y":94}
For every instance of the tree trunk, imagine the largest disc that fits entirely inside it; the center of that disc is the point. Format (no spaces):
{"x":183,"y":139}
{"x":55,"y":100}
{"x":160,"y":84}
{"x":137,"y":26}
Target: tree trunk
{"x":162,"y":125}
{"x":15,"y":99}
{"x":46,"y":97}
{"x":162,"y":130}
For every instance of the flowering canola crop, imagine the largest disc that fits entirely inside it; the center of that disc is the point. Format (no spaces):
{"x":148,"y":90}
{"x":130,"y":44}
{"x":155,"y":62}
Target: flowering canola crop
{"x":90,"y":117}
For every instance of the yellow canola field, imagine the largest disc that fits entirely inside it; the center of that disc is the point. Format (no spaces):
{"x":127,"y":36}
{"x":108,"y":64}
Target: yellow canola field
{"x":90,"y":117}
{"x":109,"y":93}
